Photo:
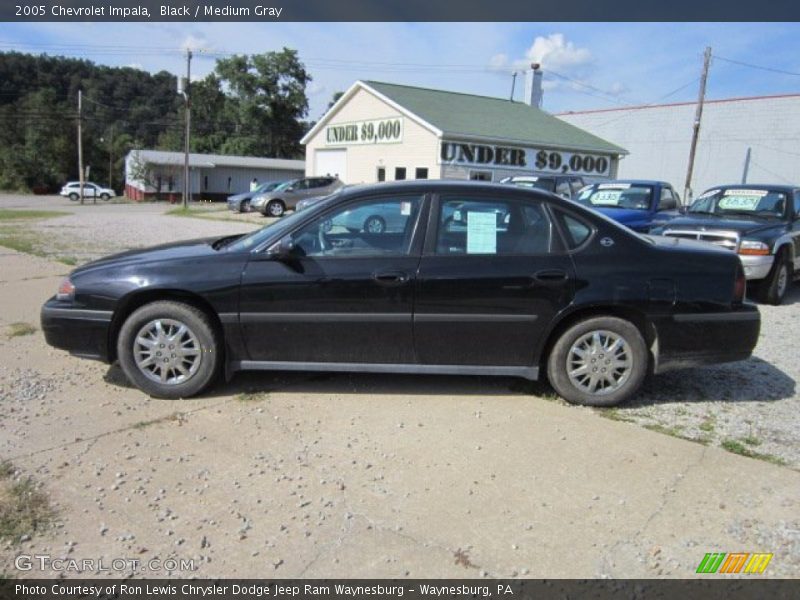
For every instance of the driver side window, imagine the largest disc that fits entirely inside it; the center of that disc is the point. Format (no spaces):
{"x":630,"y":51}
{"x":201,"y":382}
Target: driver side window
{"x":381,"y":226}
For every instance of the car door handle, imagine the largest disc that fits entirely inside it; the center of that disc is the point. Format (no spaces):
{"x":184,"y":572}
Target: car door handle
{"x":551,"y":277}
{"x":390,"y":277}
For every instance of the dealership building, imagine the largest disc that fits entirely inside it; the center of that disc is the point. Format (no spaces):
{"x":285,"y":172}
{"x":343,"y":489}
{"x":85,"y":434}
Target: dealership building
{"x":386,"y":132}
{"x":741,"y":140}
{"x":157,"y":174}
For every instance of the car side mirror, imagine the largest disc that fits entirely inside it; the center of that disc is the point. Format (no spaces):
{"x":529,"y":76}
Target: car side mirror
{"x":282,"y":249}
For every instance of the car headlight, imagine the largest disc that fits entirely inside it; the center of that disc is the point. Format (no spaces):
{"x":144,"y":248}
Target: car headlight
{"x":753,"y":248}
{"x":66,"y":291}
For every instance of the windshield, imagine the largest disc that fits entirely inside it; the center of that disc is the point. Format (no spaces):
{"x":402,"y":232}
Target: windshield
{"x":283,"y":186}
{"x":617,"y":195}
{"x":763,"y":203}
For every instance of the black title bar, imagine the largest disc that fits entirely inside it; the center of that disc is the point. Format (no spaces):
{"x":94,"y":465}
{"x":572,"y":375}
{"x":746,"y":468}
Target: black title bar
{"x":396,"y":10}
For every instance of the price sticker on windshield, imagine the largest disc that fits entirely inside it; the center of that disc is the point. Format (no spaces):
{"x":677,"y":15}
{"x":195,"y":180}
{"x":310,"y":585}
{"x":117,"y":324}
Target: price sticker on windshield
{"x":739,"y":202}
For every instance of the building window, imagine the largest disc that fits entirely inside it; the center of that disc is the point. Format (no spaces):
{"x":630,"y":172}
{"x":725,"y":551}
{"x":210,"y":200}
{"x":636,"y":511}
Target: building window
{"x":381,"y":173}
{"x":399,"y":173}
{"x":421,"y":173}
{"x":480,"y":175}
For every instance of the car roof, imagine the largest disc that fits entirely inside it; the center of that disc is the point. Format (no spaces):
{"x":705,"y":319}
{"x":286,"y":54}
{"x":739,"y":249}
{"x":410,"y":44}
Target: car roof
{"x":777,"y":187}
{"x":635,"y":182}
{"x":442,"y":186}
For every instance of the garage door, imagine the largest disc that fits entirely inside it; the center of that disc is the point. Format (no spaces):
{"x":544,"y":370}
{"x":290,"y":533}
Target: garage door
{"x":331,"y":162}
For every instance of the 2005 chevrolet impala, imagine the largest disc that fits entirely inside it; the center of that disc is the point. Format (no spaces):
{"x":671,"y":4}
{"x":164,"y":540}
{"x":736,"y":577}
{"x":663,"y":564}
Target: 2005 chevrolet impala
{"x":459,"y":278}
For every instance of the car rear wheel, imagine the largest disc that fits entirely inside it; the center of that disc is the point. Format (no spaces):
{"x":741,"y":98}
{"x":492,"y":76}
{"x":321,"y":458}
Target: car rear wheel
{"x":600,"y":361}
{"x":244,"y":206}
{"x":169,"y":350}
{"x":773,"y":289}
{"x":275,"y":208}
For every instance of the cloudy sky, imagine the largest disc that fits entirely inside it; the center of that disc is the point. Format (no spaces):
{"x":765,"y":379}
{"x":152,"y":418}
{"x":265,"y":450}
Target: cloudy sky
{"x":587,"y":65}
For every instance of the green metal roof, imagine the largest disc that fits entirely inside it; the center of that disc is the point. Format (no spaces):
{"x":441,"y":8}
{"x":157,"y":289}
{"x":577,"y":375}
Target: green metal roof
{"x":457,"y":114}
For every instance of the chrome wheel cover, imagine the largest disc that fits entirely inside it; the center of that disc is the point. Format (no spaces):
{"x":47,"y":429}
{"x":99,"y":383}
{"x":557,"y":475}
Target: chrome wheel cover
{"x":374,"y":225}
{"x":599,"y":362}
{"x":167,"y":351}
{"x":783,"y":281}
{"x":275,"y":209}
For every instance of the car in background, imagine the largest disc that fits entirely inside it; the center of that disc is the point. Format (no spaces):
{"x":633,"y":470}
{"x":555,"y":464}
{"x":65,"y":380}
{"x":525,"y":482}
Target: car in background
{"x":556,"y":290}
{"x":636,"y":203}
{"x":565,"y":186}
{"x":761,"y":223}
{"x":287,"y":195}
{"x":241,"y":202}
{"x":72,"y":190}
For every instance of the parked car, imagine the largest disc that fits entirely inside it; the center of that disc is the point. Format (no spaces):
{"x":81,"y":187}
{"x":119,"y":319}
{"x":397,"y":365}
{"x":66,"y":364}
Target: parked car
{"x":72,"y":190}
{"x":558,"y":290}
{"x":637,"y":204}
{"x":241,"y":202}
{"x":563,"y":185}
{"x":286,"y":196}
{"x":761,"y":223}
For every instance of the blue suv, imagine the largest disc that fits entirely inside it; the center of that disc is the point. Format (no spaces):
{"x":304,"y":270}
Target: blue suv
{"x":636,"y":203}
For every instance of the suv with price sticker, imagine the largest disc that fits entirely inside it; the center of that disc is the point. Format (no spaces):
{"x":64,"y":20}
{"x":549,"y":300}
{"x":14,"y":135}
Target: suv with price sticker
{"x":638,"y":204}
{"x":761,"y":223}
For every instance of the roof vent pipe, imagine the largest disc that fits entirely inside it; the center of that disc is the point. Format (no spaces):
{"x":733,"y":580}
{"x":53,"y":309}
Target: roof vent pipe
{"x":533,"y":86}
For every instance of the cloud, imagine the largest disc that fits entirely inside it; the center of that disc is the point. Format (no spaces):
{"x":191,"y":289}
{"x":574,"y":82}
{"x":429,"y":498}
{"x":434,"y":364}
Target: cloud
{"x":194,"y":43}
{"x":557,"y":53}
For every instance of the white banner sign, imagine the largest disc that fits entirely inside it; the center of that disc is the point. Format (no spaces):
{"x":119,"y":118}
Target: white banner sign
{"x":375,"y":131}
{"x":528,"y":159}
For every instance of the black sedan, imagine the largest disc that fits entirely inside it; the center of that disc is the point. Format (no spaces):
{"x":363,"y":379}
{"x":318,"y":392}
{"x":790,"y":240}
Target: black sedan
{"x":448,"y":286}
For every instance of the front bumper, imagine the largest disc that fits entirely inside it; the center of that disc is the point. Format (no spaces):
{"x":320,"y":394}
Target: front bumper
{"x":694,"y":339}
{"x":81,"y":332}
{"x":756,"y":267}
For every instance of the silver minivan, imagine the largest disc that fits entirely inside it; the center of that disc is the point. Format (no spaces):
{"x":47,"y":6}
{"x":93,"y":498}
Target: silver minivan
{"x":287,"y":195}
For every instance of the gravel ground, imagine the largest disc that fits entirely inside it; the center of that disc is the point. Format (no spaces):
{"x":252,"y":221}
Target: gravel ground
{"x":749,"y":407}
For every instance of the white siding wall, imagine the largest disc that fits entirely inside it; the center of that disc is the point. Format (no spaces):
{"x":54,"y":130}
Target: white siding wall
{"x":419,"y":147}
{"x":658,"y":139}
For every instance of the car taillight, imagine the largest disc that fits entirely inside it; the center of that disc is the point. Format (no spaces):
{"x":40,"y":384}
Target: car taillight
{"x":739,"y":286}
{"x":66,"y":291}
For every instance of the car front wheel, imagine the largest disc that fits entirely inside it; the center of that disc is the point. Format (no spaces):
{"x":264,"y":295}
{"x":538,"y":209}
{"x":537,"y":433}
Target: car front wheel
{"x":600,"y":361}
{"x":169,"y":350}
{"x":773,"y":289}
{"x":274,"y":208}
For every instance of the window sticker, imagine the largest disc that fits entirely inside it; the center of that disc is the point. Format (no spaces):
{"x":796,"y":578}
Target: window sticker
{"x":609,"y":197}
{"x":613,"y":186}
{"x":481,"y":233}
{"x":743,"y":202}
{"x":758,"y":193}
{"x":405,"y":208}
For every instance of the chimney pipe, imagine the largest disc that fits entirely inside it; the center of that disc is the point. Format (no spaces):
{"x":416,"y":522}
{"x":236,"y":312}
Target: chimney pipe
{"x":533,"y":86}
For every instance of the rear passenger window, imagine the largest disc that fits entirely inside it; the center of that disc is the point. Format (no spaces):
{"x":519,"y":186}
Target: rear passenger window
{"x":575,"y":230}
{"x":477,"y":226}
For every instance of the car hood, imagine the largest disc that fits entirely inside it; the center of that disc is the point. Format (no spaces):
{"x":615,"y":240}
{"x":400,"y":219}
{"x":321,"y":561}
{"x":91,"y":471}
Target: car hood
{"x":196,"y":248}
{"x":699,"y":222}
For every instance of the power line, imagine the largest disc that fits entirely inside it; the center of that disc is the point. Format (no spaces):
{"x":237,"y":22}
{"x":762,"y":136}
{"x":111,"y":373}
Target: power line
{"x":752,"y":66}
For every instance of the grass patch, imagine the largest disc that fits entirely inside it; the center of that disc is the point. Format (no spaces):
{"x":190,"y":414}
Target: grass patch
{"x":751,"y":440}
{"x":27,"y":244}
{"x":674,"y":431}
{"x":178,"y":417}
{"x":24,"y":508}
{"x":7,"y":214}
{"x":68,"y":260}
{"x":252,"y":397}
{"x":708,"y":425}
{"x":20,"y":328}
{"x":737,"y":447}
{"x":614,"y":414}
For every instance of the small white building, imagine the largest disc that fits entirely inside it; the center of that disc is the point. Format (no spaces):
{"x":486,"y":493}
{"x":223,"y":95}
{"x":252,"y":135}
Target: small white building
{"x":742,"y":140}
{"x":157,"y":174}
{"x":384,"y":132}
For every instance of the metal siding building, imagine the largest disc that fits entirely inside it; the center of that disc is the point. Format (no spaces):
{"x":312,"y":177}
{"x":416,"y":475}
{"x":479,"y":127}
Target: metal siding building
{"x":212,"y":176}
{"x":658,"y":139}
{"x":381,"y":131}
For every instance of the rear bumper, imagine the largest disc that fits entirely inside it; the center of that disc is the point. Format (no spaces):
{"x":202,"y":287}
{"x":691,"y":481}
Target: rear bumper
{"x":81,"y":332}
{"x":694,"y":339}
{"x":757,"y":267}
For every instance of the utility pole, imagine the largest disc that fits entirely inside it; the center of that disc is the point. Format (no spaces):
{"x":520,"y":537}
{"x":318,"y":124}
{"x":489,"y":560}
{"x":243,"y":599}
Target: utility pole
{"x":186,"y":189}
{"x":746,"y":164}
{"x":513,"y":85}
{"x":80,"y":143}
{"x":111,"y":158}
{"x":687,"y":188}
